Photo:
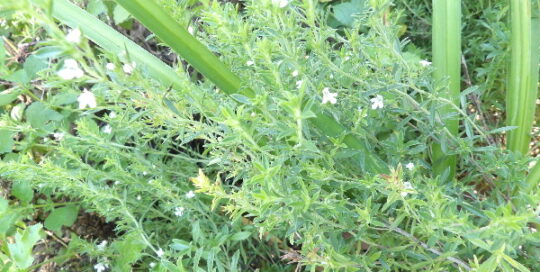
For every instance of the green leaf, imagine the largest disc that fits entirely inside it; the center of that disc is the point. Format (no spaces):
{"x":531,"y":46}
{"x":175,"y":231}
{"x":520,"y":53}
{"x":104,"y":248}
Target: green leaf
{"x":129,"y":251}
{"x":490,"y":265}
{"x":64,"y":216}
{"x":41,"y":117}
{"x":241,"y":236}
{"x":515,"y":264}
{"x":21,"y":251}
{"x":34,"y":65}
{"x":4,"y":204}
{"x":344,"y":12}
{"x":120,"y":14}
{"x":180,"y":245}
{"x":18,"y":76}
{"x":6,"y":141}
{"x":7,"y":97}
{"x":22,"y":191}
{"x":96,"y":7}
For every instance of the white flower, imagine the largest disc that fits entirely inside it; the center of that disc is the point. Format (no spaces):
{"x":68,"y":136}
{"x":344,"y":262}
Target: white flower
{"x":377,"y":102}
{"x":179,"y":211}
{"x":407,"y":186}
{"x":107,"y":129}
{"x":102,"y":245}
{"x":250,"y":62}
{"x":190,"y":194}
{"x":74,"y":36}
{"x":299,"y":84}
{"x":190,"y":30}
{"x":70,"y":70}
{"x":99,"y":267}
{"x":138,"y":197}
{"x":425,"y":63}
{"x":152,"y":265}
{"x":110,"y":66}
{"x":347,"y":58}
{"x":295,"y":73}
{"x":329,"y":96}
{"x":253,"y":114}
{"x":409,"y":166}
{"x":58,"y":136}
{"x":281,"y":3}
{"x":112,"y":115}
{"x":129,"y":67}
{"x":160,"y":252}
{"x":87,"y":100}
{"x":144,"y":173}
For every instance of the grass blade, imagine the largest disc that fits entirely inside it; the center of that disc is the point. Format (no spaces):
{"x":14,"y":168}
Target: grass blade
{"x":109,"y":39}
{"x":447,"y":64}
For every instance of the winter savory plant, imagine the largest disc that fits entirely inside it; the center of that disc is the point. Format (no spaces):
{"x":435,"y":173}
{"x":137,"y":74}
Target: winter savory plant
{"x":285,"y":135}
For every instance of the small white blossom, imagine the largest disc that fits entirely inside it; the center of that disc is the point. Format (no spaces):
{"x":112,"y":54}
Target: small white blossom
{"x":253,"y":114}
{"x":152,"y":265}
{"x":116,"y":182}
{"x":329,"y":96}
{"x":179,"y":211}
{"x":138,"y":197}
{"x":107,"y":129}
{"x":87,"y":100}
{"x":250,"y":62}
{"x":190,"y":30}
{"x":58,"y":136}
{"x":190,"y":194}
{"x":112,"y":115}
{"x":160,"y":252}
{"x":406,"y":186}
{"x":425,"y":63}
{"x":281,"y":3}
{"x":347,"y":58}
{"x":100,"y":267}
{"x":74,"y":36}
{"x":110,"y":66}
{"x":299,"y":84}
{"x":295,"y":73}
{"x":377,"y":102}
{"x":70,"y":70}
{"x":129,"y":67}
{"x":102,"y":245}
{"x":410,"y":166}
{"x":144,"y":173}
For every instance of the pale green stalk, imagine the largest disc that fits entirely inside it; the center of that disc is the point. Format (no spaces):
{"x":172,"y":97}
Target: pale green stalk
{"x":533,"y":179}
{"x":521,"y":95}
{"x":447,"y":64}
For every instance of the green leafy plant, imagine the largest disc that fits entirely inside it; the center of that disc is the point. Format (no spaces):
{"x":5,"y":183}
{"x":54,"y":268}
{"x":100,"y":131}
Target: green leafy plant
{"x":261,"y":174}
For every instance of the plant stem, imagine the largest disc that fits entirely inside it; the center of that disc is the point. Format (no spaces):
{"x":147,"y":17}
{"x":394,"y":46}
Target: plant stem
{"x":521,"y":94}
{"x":533,"y":179}
{"x":447,"y":63}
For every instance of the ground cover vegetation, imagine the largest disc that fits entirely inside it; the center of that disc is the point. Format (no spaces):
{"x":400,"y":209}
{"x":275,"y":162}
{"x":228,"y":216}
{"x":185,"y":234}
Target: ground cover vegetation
{"x":295,"y":135}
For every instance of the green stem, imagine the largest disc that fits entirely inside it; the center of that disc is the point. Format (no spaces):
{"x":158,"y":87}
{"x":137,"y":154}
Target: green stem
{"x":520,"y":97}
{"x":447,"y":64}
